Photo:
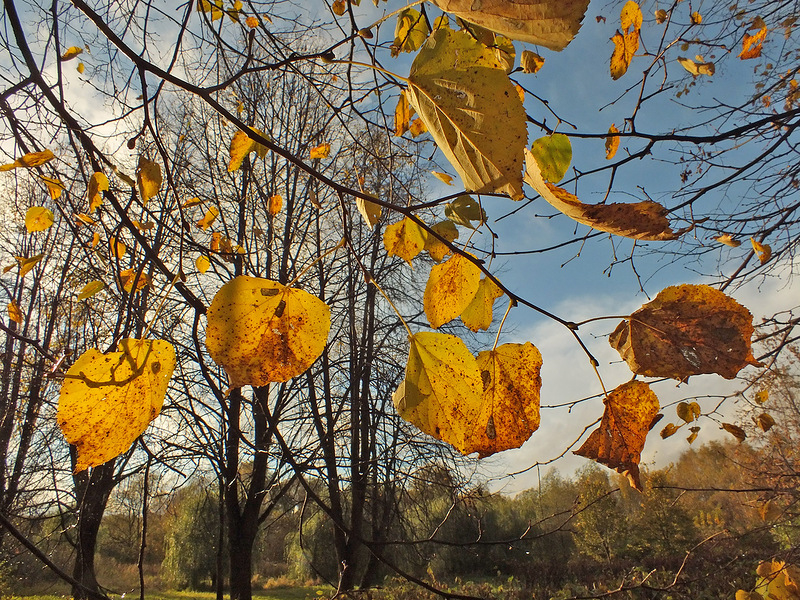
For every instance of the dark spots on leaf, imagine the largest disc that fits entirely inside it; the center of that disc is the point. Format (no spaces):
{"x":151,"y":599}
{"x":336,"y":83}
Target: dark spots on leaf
{"x":267,"y":292}
{"x":155,"y":367}
{"x":280,"y":308}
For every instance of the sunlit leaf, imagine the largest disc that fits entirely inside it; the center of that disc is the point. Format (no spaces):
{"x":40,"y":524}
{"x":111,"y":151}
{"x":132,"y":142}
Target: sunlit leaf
{"x":54,"y":186}
{"x":417,"y":127}
{"x":339,"y":7}
{"x":762,"y":396}
{"x":208,"y":218}
{"x":117,"y":248}
{"x":752,"y":44}
{"x":242,"y":145}
{"x":763,"y":251}
{"x":14,"y":312}
{"x":90,"y":289}
{"x":530,"y":62}
{"x":612,"y":142}
{"x":30,"y":160}
{"x":108,"y":400}
{"x":448,"y":179}
{"x":434,"y":246}
{"x":84,"y":219}
{"x":275,"y":204}
{"x":260,"y":331}
{"x":321,"y":151}
{"x":71,"y":53}
{"x":670,"y":430}
{"x":553,"y":154}
{"x":202,"y":263}
{"x":451,"y":287}
{"x":728,"y":240}
{"x":661,"y":16}
{"x":211,"y":6}
{"x":95,"y":239}
{"x":735,"y":431}
{"x":402,"y":115}
{"x":697,"y":68}
{"x":693,"y":435}
{"x":765,"y":422}
{"x":134,"y":277}
{"x":618,"y":442}
{"x":630,"y":16}
{"x":26,"y":264}
{"x":625,"y":47}
{"x":410,"y":32}
{"x":696,"y":18}
{"x":478,"y":314}
{"x":80,"y":68}
{"x":98,"y":182}
{"x":370,"y":211}
{"x":38,"y":218}
{"x":405,"y":239}
{"x":192,"y":202}
{"x":252,"y":22}
{"x":148,"y":179}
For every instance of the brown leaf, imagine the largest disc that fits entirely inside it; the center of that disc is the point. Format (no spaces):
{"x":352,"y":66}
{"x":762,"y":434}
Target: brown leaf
{"x":618,"y":442}
{"x":735,"y":431}
{"x":686,"y":330}
{"x":751,"y":44}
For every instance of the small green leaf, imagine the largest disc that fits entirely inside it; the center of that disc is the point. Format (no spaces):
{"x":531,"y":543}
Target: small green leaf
{"x":553,"y":154}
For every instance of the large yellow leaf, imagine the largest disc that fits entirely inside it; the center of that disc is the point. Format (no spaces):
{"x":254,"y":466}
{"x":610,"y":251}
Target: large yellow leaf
{"x":98,"y":182}
{"x":625,"y":46}
{"x":687,"y":330}
{"x":38,"y":218}
{"x":260,"y":331}
{"x":441,"y":392}
{"x":510,"y":409}
{"x":618,"y":442}
{"x":549,"y":23}
{"x":461,"y":92}
{"x":639,"y":220}
{"x":108,"y":400}
{"x":148,"y":179}
{"x":451,"y":287}
{"x":478,"y":314}
{"x":32,"y":159}
{"x":405,"y":239}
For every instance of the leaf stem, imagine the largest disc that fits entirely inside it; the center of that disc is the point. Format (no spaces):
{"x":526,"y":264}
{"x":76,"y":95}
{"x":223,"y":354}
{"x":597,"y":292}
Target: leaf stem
{"x":389,"y":300}
{"x":511,"y":304}
{"x":368,"y":66}
{"x":160,"y":306}
{"x":341,"y":244}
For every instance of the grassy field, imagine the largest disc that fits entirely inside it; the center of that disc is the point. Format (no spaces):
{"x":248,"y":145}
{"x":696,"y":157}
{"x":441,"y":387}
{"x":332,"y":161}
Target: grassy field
{"x":288,"y":593}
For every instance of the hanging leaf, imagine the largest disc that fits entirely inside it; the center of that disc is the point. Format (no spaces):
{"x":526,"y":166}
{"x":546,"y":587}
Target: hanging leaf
{"x":26,"y":264}
{"x":260,"y":331}
{"x":134,"y":277}
{"x":668,"y":431}
{"x":202,"y":263}
{"x":434,"y":246}
{"x":735,"y":431}
{"x":448,"y":179}
{"x":640,"y":220}
{"x":618,"y":442}
{"x":275,"y":204}
{"x":451,"y":287}
{"x":108,"y":400}
{"x":530,"y":62}
{"x":417,"y":127}
{"x":321,"y":151}
{"x":211,"y":6}
{"x":763,"y":251}
{"x":14,"y":312}
{"x":54,"y":186}
{"x":117,"y":248}
{"x":405,"y":239}
{"x":252,"y":22}
{"x":478,"y":314}
{"x":553,"y":154}
{"x":752,"y":44}
{"x":370,"y":211}
{"x":661,"y":16}
{"x":765,"y":422}
{"x":543,"y":22}
{"x":686,"y":330}
{"x":631,"y":17}
{"x":442,"y":390}
{"x":242,"y":145}
{"x":90,"y":289}
{"x":688,"y":411}
{"x":612,"y":142}
{"x":762,"y":396}
{"x":208,"y":218}
{"x":30,"y":160}
{"x":697,"y":68}
{"x":462,"y":93}
{"x":98,"y":182}
{"x":148,"y":179}
{"x":463,"y":210}
{"x":693,"y":436}
{"x":39,"y":218}
{"x":728,"y":240}
{"x":410,"y":32}
{"x":71,"y":53}
{"x":625,"y":47}
{"x":402,"y":115}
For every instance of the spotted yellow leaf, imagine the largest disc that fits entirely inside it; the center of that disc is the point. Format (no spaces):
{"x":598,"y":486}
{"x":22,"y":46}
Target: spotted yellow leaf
{"x":38,"y":218}
{"x":134,"y":280}
{"x":763,"y":251}
{"x":478,"y":314}
{"x":405,"y":239}
{"x":434,"y":246}
{"x":242,"y":145}
{"x":451,"y":287}
{"x":275,"y":204}
{"x":321,"y":151}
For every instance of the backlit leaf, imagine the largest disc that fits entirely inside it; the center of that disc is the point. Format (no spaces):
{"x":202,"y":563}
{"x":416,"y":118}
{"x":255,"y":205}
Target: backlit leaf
{"x":208,"y":218}
{"x":252,"y":22}
{"x":451,"y":287}
{"x":148,"y":179}
{"x":463,"y":210}
{"x":26,"y":264}
{"x":434,"y":246}
{"x":763,"y":251}
{"x":321,"y":151}
{"x":630,"y":16}
{"x":71,"y":53}
{"x":38,"y":218}
{"x":728,"y":240}
{"x":54,"y":186}
{"x":32,"y":159}
{"x":81,"y":68}
{"x":134,"y":277}
{"x":639,"y":220}
{"x":765,"y":422}
{"x":242,"y":145}
{"x":735,"y":431}
{"x":618,"y":442}
{"x":202,"y":263}
{"x":697,"y":68}
{"x":686,"y":330}
{"x":442,"y":390}
{"x":211,"y":6}
{"x":448,"y":179}
{"x":108,"y":400}
{"x":14,"y":312}
{"x":402,"y":115}
{"x":275,"y":204}
{"x":668,"y":431}
{"x":370,"y":211}
{"x":260,"y":331}
{"x":417,"y":127}
{"x":762,"y":396}
{"x":478,"y":314}
{"x":693,"y":435}
{"x":661,"y":16}
{"x":696,"y":18}
{"x":117,"y":248}
{"x":98,"y":182}
{"x":84,"y":219}
{"x":192,"y":202}
{"x":688,"y":411}
{"x":625,"y":46}
{"x":90,"y":289}
{"x":752,"y":44}
{"x":410,"y":32}
{"x":469,"y":105}
{"x":543,"y":22}
{"x":612,"y":142}
{"x":530,"y":62}
{"x":405,"y":239}
{"x":553,"y":154}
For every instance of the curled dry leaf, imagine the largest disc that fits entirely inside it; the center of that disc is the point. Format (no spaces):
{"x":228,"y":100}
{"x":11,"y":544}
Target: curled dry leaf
{"x":765,"y":422}
{"x":530,"y":62}
{"x":618,"y":442}
{"x":108,"y":400}
{"x":669,"y":430}
{"x":242,"y":145}
{"x":752,"y":44}
{"x":549,"y":23}
{"x":687,"y":330}
{"x":728,"y":240}
{"x":735,"y":431}
{"x":260,"y":331}
{"x":321,"y":151}
{"x":275,"y":204}
{"x":461,"y":92}
{"x":763,"y":251}
{"x":208,"y":218}
{"x":640,"y":220}
{"x":54,"y":186}
{"x":697,"y":68}
{"x":688,"y":411}
{"x":98,"y":182}
{"x":451,"y":287}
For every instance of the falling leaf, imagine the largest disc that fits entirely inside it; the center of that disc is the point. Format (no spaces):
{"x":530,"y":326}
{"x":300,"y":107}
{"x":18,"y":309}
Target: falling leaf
{"x":478,"y":314}
{"x":208,"y":218}
{"x":148,"y":179}
{"x":54,"y":186}
{"x":71,"y":53}
{"x":98,"y":182}
{"x":735,"y":431}
{"x":752,"y":44}
{"x":530,"y":62}
{"x":668,"y":431}
{"x":192,"y":202}
{"x":543,"y":22}
{"x":625,"y":46}
{"x":442,"y":390}
{"x":134,"y":277}
{"x":402,"y":115}
{"x":108,"y":400}
{"x":202,"y":263}
{"x":612,"y":142}
{"x":30,"y":160}
{"x":410,"y":32}
{"x":321,"y":151}
{"x":242,"y":145}
{"x":275,"y":204}
{"x":618,"y":442}
{"x":451,"y":287}
{"x":553,"y":154}
{"x":26,"y":264}
{"x":640,"y":220}
{"x":697,"y":68}
{"x":728,"y":240}
{"x":90,"y":289}
{"x":687,"y":330}
{"x":688,"y":411}
{"x":38,"y":218}
{"x":448,"y":179}
{"x":117,"y":248}
{"x":763,"y":251}
{"x":14,"y":312}
{"x":434,"y":246}
{"x":463,"y":210}
{"x":370,"y":211}
{"x":405,"y":239}
{"x":251,"y":22}
{"x":469,"y":105}
{"x":765,"y":422}
{"x":260,"y":331}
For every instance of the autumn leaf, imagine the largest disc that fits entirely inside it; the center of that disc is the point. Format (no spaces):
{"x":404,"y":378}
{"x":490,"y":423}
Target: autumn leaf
{"x":108,"y":400}
{"x":693,"y":435}
{"x":463,"y":210}
{"x":321,"y":151}
{"x":735,"y":431}
{"x":728,"y":240}
{"x":90,"y":289}
{"x":402,"y":115}
{"x":54,"y":186}
{"x":38,"y":218}
{"x":252,"y":22}
{"x":30,"y":160}
{"x":451,"y":287}
{"x":242,"y":145}
{"x":697,"y":68}
{"x":275,"y":204}
{"x":686,"y":330}
{"x":208,"y":218}
{"x":688,"y":411}
{"x":553,"y":154}
{"x":478,"y":314}
{"x":434,"y":246}
{"x":765,"y":422}
{"x":148,"y":179}
{"x":26,"y":264}
{"x":339,"y":7}
{"x":210,"y":6}
{"x":444,"y":177}
{"x":669,"y":430}
{"x":461,"y":92}
{"x":71,"y":53}
{"x":405,"y":239}
{"x":625,"y":46}
{"x":202,"y":263}
{"x":612,"y":142}
{"x":639,"y":220}
{"x":763,"y":251}
{"x":370,"y":211}
{"x":117,"y":248}
{"x":261,"y":331}
{"x":530,"y":62}
{"x":417,"y":127}
{"x":14,"y":312}
{"x":410,"y":32}
{"x":442,"y":389}
{"x":661,"y":16}
{"x":98,"y":182}
{"x":696,"y":18}
{"x":630,"y":17}
{"x":618,"y":442}
{"x":134,"y":277}
{"x":84,"y":219}
{"x":752,"y":44}
{"x":762,"y":396}
{"x":543,"y":22}
{"x":192,"y":202}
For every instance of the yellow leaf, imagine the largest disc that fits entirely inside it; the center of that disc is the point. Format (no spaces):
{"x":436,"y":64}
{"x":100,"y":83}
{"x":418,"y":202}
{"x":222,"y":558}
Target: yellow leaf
{"x":478,"y":314}
{"x":640,"y":220}
{"x":32,"y":159}
{"x":769,"y":511}
{"x":370,"y":211}
{"x":693,"y":436}
{"x":14,"y":312}
{"x":71,"y":53}
{"x":81,"y":68}
{"x":146,"y":226}
{"x":118,"y":249}
{"x":697,"y":68}
{"x":242,"y":145}
{"x":461,"y":92}
{"x":434,"y":246}
{"x":410,"y":31}
{"x":697,"y":18}
{"x":202,"y":263}
{"x":38,"y":218}
{"x":451,"y":287}
{"x":251,"y":22}
{"x":630,"y":17}
{"x":98,"y":182}
{"x":129,"y":277}
{"x":763,"y":251}
{"x":618,"y":442}
{"x":148,"y":179}
{"x":275,"y":204}
{"x":417,"y":127}
{"x":762,"y":396}
{"x":442,"y":390}
{"x":321,"y":151}
{"x":752,"y":44}
{"x":260,"y":331}
{"x":210,"y":6}
{"x":402,"y":115}
{"x":108,"y":400}
{"x":625,"y":46}
{"x":687,"y":411}
{"x":448,"y":179}
{"x":54,"y":186}
{"x":668,"y":431}
{"x":510,"y":409}
{"x":405,"y":239}
{"x":339,"y":7}
{"x":208,"y":218}
{"x":612,"y":142}
{"x":95,"y":239}
{"x":661,"y":16}
{"x":735,"y":431}
{"x":765,"y":422}
{"x":543,"y":22}
{"x":728,"y":240}
{"x":90,"y":289}
{"x":686,"y":330}
{"x":192,"y":202}
{"x":26,"y":264}
{"x":530,"y":62}
{"x":84,"y":219}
